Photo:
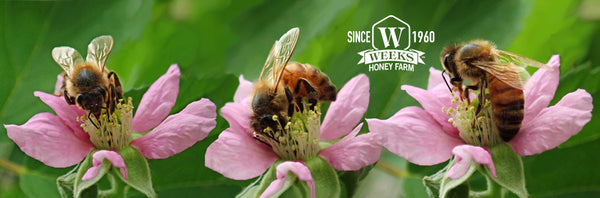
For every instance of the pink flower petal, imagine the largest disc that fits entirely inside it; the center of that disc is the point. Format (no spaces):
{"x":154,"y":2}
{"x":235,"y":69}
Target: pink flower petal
{"x":347,"y":110}
{"x":432,"y":103}
{"x":299,"y":169}
{"x":179,"y":131}
{"x":238,"y":156}
{"x":554,"y":125}
{"x":463,"y":155}
{"x":438,"y":87}
{"x":67,"y":113}
{"x":238,"y":116}
{"x":58,"y":85}
{"x":540,"y":89}
{"x":91,"y":173}
{"x":115,"y":159}
{"x":157,"y":101}
{"x":413,"y":134}
{"x":243,"y":91}
{"x":435,"y":79}
{"x":45,"y":138}
{"x":353,"y":152}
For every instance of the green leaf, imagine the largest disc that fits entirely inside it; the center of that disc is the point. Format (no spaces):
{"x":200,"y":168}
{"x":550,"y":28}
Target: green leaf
{"x":564,"y":171}
{"x":138,"y":171}
{"x":559,"y":31}
{"x":509,"y":169}
{"x":325,"y":178}
{"x":88,"y":188}
{"x":36,"y":185}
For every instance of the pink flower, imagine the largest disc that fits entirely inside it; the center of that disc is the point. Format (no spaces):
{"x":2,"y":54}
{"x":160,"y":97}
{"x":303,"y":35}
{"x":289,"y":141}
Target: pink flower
{"x":238,"y":155}
{"x":426,"y":137}
{"x":60,"y":141}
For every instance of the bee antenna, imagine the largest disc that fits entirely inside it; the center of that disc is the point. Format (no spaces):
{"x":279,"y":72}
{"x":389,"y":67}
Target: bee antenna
{"x":443,"y":77}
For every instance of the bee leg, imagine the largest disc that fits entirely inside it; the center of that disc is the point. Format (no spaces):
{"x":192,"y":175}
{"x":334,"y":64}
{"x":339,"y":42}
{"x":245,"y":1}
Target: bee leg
{"x":481,"y":97}
{"x":291,"y":104}
{"x":457,"y":82}
{"x":111,"y":98}
{"x":70,"y":100}
{"x":117,"y":87}
{"x":310,"y":90}
{"x":467,"y":89}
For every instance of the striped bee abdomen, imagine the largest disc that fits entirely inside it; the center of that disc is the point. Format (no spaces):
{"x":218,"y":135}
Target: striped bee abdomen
{"x":507,"y":106}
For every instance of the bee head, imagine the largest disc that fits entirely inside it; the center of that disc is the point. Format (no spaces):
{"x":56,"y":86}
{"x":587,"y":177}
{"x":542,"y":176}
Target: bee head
{"x":268,"y":98}
{"x":261,"y":100}
{"x":92,"y":100}
{"x":447,"y":59}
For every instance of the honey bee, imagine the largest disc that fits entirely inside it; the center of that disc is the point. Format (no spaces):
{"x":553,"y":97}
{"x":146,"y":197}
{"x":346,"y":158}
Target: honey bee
{"x":503,"y":75}
{"x":282,"y":87}
{"x":88,"y":84}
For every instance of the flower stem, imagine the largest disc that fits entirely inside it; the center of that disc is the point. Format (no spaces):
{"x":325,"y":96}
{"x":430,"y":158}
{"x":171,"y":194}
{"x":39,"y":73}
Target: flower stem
{"x":12,"y":167}
{"x":387,"y":167}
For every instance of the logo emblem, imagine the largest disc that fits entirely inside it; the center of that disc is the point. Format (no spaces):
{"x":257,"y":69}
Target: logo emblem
{"x":390,"y":40}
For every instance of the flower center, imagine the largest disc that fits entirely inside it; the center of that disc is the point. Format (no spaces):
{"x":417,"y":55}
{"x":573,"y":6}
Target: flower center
{"x":112,"y":131}
{"x":299,"y":139}
{"x":475,"y":129}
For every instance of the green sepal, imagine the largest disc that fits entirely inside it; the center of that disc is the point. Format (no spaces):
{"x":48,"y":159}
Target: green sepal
{"x":117,"y":187}
{"x":293,"y":188}
{"x":66,"y":183}
{"x":509,"y":169}
{"x":138,"y":171}
{"x":325,"y":177}
{"x":439,"y":186}
{"x":88,"y":188}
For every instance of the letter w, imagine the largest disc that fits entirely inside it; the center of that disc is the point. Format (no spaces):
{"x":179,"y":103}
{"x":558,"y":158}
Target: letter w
{"x":386,"y":38}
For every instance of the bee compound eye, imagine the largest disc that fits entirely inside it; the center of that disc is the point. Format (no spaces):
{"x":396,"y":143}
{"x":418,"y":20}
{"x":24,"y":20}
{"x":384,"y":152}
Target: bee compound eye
{"x":81,"y":98}
{"x":447,"y":62}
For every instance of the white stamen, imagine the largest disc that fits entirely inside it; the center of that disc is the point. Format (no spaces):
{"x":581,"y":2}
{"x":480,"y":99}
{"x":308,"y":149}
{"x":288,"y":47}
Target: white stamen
{"x":478,"y":130}
{"x":114,"y":129}
{"x":299,"y":139}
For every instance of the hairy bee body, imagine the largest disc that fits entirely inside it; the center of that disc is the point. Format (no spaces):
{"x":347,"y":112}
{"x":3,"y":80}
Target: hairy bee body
{"x":308,"y":82}
{"x":478,"y":62}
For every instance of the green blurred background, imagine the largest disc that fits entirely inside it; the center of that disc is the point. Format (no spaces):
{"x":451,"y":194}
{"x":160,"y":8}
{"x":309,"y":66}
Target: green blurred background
{"x":216,"y":41}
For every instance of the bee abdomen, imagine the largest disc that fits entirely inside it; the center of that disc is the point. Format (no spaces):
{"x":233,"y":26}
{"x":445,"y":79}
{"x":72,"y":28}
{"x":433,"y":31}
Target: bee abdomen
{"x":508,"y":108}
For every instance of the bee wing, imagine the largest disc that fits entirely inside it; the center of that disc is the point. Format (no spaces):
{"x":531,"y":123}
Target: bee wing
{"x":268,"y":67}
{"x":67,"y":58}
{"x":280,"y":54}
{"x":519,"y":60}
{"x":99,"y":49}
{"x":510,"y":74}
